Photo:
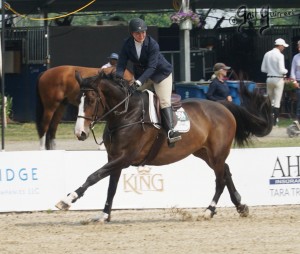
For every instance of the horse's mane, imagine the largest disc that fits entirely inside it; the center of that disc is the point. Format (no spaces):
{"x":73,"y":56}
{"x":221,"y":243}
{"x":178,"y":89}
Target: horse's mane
{"x":111,"y":75}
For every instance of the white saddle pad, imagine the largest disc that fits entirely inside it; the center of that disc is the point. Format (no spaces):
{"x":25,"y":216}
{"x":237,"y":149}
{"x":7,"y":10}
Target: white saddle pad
{"x":183,"y":121}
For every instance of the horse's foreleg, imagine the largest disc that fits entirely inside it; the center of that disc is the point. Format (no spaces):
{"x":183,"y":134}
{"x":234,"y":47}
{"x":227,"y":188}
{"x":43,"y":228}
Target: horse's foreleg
{"x":235,"y":197}
{"x":112,"y":188}
{"x":108,"y":169}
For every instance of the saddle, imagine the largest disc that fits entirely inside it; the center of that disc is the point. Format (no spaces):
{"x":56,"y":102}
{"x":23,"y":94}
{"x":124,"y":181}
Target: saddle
{"x":180,"y":118}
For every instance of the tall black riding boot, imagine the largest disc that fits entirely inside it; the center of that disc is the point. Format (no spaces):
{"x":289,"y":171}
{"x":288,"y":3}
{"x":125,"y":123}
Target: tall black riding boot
{"x":167,"y":122}
{"x":276,"y":115}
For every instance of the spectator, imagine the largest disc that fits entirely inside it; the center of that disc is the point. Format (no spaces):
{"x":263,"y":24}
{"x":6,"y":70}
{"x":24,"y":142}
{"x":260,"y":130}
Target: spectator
{"x":273,"y":65}
{"x":295,"y":75}
{"x":218,"y":89}
{"x":112,"y":60}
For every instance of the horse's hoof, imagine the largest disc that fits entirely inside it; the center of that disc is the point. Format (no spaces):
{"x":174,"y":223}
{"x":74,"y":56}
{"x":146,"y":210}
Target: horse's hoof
{"x":102,"y":218}
{"x":99,"y":219}
{"x":243,"y":210}
{"x":209,"y":212}
{"x":62,"y":205}
{"x":65,"y":204}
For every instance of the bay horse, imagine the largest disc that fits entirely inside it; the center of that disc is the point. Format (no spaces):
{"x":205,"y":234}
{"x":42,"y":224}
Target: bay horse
{"x":56,"y":88}
{"x":131,"y":139}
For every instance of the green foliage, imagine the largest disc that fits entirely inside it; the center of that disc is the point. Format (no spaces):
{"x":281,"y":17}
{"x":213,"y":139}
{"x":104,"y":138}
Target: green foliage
{"x":152,"y":19}
{"x":8,"y":106}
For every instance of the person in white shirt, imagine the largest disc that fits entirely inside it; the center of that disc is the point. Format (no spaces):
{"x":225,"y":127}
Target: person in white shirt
{"x":273,"y":65}
{"x":112,"y":60}
{"x":295,"y":75}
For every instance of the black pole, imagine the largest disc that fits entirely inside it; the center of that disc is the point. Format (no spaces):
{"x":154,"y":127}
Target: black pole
{"x":3,"y":113}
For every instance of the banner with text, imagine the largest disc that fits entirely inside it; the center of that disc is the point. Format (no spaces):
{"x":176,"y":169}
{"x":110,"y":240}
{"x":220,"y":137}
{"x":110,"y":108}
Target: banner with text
{"x":37,"y":180}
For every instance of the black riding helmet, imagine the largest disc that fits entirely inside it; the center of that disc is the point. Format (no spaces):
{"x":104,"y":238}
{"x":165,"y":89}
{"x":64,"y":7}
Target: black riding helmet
{"x":137,"y":25}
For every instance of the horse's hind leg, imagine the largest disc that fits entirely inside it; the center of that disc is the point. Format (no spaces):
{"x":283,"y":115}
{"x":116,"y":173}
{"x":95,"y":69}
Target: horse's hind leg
{"x":243,"y":210}
{"x":220,"y":185}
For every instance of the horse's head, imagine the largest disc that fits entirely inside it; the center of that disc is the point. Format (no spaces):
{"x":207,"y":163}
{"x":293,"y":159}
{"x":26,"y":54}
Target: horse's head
{"x":93,"y":103}
{"x":90,"y":102}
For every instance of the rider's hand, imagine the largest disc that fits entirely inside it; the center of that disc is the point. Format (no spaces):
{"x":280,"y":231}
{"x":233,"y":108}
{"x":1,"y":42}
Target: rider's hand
{"x":229,"y":98}
{"x":136,"y":84}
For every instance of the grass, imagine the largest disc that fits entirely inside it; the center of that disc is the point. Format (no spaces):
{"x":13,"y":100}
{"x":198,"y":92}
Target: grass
{"x":27,"y":132}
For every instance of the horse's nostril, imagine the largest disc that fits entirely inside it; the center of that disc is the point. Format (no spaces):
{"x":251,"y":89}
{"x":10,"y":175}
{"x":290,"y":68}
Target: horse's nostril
{"x":82,"y":136}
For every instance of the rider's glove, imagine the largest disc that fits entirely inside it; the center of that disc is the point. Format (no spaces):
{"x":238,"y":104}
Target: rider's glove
{"x":136,"y":84}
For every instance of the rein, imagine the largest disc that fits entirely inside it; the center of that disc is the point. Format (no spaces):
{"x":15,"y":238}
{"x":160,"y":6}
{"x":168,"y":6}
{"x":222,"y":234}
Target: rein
{"x":95,"y":119}
{"x":98,"y":120}
{"x":141,"y":121}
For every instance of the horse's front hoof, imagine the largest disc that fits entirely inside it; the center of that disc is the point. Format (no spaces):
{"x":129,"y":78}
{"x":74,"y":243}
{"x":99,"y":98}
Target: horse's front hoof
{"x":243,"y":210}
{"x":101,"y":219}
{"x":65,"y":203}
{"x":62,"y":205}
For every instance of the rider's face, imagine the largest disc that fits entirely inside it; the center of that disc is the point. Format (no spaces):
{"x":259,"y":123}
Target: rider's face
{"x":139,"y":36}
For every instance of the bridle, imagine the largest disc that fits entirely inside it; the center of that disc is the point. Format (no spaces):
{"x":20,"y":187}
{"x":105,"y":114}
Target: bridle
{"x":94,"y":118}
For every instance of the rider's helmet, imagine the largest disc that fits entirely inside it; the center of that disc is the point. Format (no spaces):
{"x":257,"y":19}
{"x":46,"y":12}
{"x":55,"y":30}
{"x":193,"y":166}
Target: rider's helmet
{"x":137,"y":25}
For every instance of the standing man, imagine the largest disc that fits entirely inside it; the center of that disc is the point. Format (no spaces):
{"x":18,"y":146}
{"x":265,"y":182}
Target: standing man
{"x":295,"y":75}
{"x":149,"y":66}
{"x":273,"y":65}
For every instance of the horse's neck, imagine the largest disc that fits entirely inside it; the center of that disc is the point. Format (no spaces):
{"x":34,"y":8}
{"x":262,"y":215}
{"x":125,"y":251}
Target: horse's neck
{"x":131,"y":109}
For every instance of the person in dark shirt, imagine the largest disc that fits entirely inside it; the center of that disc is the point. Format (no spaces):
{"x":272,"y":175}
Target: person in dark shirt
{"x":218,"y":89}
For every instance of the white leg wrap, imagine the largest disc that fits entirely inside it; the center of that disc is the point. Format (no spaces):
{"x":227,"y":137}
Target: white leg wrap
{"x":43,"y":143}
{"x":65,"y":203}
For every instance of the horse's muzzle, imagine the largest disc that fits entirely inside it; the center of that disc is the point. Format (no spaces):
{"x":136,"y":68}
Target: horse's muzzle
{"x":82,"y":136}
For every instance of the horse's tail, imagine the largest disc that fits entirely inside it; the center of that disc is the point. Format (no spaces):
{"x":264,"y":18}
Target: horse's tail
{"x":253,"y":116}
{"x":39,"y":108}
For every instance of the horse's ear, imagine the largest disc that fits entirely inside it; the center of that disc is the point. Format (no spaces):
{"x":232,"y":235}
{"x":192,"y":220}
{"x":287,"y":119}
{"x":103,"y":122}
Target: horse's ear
{"x":78,"y":77}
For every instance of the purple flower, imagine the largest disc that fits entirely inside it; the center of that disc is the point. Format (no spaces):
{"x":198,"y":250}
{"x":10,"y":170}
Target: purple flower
{"x":181,"y":16}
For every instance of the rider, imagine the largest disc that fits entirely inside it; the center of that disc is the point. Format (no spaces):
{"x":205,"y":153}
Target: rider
{"x":149,"y":66}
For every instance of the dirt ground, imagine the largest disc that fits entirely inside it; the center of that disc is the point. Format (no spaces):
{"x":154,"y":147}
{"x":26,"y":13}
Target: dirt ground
{"x":268,"y":229}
